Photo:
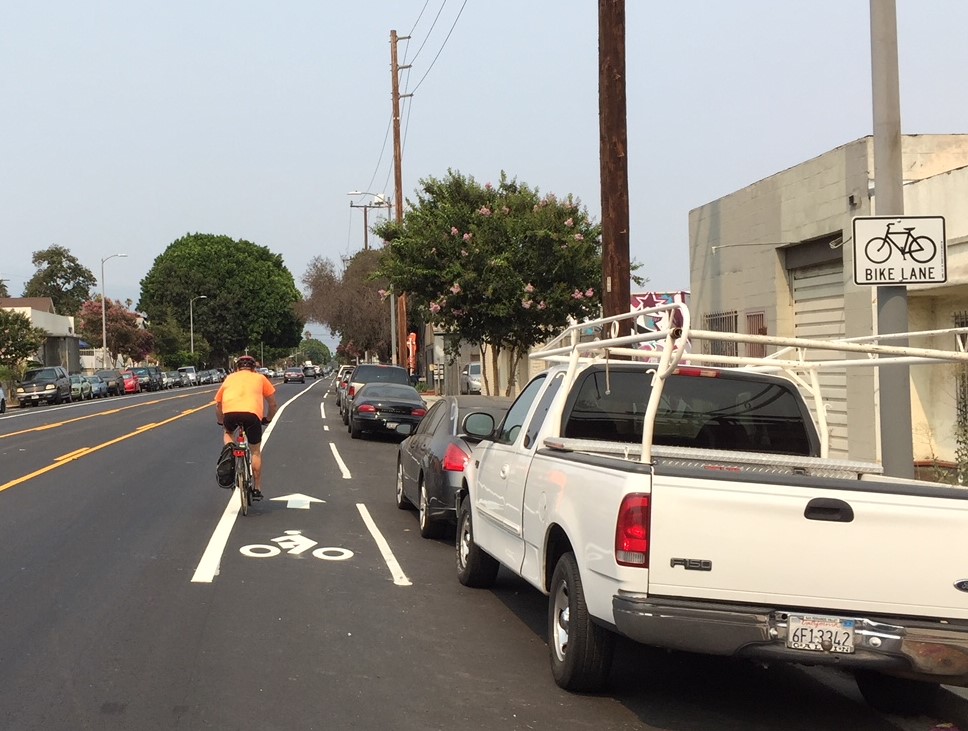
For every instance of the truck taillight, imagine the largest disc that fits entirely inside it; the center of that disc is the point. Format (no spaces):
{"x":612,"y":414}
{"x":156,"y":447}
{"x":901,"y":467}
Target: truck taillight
{"x":454,"y":459}
{"x":632,"y":532}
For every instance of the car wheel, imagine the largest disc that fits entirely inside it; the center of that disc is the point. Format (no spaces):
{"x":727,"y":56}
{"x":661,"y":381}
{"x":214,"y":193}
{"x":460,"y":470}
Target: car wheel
{"x":581,"y":651}
{"x":355,"y":431}
{"x":888,"y":694}
{"x":428,"y":528}
{"x":3,"y":406}
{"x":474,"y":567}
{"x":402,"y":501}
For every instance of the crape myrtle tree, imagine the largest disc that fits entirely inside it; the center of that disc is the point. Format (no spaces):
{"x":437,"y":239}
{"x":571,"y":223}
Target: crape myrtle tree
{"x":250,"y":296}
{"x":351,"y":304}
{"x":125,"y":336}
{"x":61,"y":277}
{"x":502,"y":267}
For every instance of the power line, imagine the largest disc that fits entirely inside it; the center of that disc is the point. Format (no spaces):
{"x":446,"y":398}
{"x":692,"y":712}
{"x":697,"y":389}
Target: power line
{"x":442,"y":46}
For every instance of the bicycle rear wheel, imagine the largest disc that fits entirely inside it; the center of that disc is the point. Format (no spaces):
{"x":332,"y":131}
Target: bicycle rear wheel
{"x":242,"y":483}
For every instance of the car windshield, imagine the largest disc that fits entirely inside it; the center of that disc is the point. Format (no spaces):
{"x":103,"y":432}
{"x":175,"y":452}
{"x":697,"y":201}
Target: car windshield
{"x":474,"y":369}
{"x":42,"y":374}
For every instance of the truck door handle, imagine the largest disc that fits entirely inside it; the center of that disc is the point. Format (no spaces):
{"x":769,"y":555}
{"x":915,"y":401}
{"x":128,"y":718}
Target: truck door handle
{"x":504,"y":472}
{"x":821,"y":508}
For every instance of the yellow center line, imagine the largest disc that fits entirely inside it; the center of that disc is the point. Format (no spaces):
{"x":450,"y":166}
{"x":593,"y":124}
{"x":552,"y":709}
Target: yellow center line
{"x":100,"y":413}
{"x":60,"y":461}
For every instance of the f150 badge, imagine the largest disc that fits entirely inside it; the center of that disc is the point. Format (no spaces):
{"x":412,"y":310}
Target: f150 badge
{"x":962,"y":585}
{"x":697,"y":564}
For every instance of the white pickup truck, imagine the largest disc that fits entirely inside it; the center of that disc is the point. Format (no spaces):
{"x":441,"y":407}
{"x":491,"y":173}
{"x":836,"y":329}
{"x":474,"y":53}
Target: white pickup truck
{"x":686,"y":507}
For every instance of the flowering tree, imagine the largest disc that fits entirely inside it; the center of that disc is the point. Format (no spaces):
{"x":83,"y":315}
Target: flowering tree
{"x":499,"y":266}
{"x":124,"y":334}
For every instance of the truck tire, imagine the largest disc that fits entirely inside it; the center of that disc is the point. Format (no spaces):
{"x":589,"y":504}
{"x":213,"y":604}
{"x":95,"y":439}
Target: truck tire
{"x":901,"y":696}
{"x":581,"y":651}
{"x":475,"y":568}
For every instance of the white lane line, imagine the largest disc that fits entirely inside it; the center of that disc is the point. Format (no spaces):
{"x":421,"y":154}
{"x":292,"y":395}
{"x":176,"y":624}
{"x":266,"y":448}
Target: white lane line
{"x":208,"y":565}
{"x":339,"y":460}
{"x":322,"y":411}
{"x":399,"y":578}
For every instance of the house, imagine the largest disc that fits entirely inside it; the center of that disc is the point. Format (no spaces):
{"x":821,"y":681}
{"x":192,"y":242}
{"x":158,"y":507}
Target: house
{"x":776,"y":257}
{"x":62,"y":346}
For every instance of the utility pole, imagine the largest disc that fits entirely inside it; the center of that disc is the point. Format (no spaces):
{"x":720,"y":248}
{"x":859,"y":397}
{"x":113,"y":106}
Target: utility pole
{"x":613,"y":153}
{"x":395,"y":70}
{"x":897,"y":452}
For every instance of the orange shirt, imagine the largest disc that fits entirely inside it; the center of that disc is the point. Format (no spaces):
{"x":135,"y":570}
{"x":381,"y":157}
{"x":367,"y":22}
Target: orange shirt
{"x":244,"y":391}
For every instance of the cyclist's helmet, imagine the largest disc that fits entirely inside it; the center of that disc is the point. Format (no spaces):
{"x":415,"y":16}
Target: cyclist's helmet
{"x":245,"y":361}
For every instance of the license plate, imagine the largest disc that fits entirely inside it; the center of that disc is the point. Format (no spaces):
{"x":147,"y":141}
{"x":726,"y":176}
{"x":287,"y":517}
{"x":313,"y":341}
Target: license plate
{"x":820,"y":634}
{"x":393,"y":424}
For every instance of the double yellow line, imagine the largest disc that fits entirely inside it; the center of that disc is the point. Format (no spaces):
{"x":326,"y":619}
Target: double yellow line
{"x":84,"y":451}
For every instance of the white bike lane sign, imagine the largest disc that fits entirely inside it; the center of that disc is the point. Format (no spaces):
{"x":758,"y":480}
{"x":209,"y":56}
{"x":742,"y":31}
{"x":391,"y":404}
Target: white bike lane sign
{"x":889,"y":250}
{"x":294,"y":543}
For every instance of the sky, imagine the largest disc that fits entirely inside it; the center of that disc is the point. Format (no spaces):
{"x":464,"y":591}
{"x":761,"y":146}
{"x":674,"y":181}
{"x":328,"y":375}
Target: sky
{"x":126,"y":125}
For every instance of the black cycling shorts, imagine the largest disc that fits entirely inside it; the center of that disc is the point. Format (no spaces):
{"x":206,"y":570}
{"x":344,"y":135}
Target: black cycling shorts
{"x":251,"y":423}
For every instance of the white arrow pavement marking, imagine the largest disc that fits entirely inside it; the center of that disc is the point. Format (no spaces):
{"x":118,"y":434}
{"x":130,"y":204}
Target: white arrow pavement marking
{"x":299,"y":501}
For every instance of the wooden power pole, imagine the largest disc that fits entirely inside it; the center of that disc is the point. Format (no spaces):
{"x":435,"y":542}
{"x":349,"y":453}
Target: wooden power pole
{"x":613,"y":151}
{"x":395,"y":69}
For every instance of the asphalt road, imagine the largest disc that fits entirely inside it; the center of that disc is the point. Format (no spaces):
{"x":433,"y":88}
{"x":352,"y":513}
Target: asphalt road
{"x":133,"y":596}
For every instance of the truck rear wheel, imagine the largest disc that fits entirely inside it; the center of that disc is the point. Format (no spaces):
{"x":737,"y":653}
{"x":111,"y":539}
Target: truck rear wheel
{"x":581,"y":651}
{"x":896,"y":695}
{"x":474,"y":567}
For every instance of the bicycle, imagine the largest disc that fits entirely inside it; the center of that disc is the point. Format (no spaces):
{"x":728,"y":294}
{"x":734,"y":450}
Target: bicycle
{"x":920,"y":248}
{"x":244,"y":479}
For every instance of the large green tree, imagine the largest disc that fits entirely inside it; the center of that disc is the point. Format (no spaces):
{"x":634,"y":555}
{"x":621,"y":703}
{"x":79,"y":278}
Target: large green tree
{"x":500,"y":266}
{"x":61,"y":277}
{"x":352,"y":303}
{"x":250,"y":298}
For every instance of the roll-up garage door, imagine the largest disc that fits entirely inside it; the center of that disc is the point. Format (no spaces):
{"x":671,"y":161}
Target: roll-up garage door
{"x":818,"y":313}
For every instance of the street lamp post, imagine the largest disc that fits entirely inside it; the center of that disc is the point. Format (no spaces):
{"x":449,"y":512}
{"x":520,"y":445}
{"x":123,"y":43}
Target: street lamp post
{"x":191,"y":320}
{"x":104,"y":314}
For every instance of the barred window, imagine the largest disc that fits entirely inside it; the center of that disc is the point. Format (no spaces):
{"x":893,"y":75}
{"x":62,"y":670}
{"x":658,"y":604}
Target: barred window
{"x":756,"y":325}
{"x":721,"y":322}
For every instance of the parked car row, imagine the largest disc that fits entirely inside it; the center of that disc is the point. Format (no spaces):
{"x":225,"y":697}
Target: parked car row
{"x":437,"y":443}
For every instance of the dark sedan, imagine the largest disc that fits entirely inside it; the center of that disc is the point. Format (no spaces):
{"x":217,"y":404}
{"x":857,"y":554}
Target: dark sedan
{"x":293,"y":374}
{"x":385,"y":408}
{"x":430,"y":464}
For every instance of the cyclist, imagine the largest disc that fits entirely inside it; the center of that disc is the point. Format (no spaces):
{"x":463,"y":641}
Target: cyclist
{"x":239,"y":402}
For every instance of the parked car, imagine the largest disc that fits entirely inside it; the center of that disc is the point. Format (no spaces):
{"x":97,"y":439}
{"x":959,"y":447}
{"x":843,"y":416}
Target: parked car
{"x":470,"y":378}
{"x":112,"y":377}
{"x":367,"y":373}
{"x":99,"y":387}
{"x":293,"y":374}
{"x":430,"y":462}
{"x":157,"y":377}
{"x":49,"y":384}
{"x":189,"y":374}
{"x":3,"y":401}
{"x":205,"y":378}
{"x":172,"y":379}
{"x":342,"y":381}
{"x":150,"y":380}
{"x":132,"y":384}
{"x":385,"y":408}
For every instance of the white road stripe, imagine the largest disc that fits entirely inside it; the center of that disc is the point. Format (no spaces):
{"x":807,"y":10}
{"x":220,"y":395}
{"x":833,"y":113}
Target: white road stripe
{"x":339,"y":460}
{"x":399,"y":578}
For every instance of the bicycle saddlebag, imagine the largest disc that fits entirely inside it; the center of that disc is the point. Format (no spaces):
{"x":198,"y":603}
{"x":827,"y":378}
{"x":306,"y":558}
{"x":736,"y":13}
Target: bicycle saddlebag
{"x":225,"y":469}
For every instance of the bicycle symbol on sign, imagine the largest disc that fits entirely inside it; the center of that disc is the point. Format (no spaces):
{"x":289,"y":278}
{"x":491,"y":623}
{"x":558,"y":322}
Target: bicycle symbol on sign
{"x":920,"y":249}
{"x":295,"y":543}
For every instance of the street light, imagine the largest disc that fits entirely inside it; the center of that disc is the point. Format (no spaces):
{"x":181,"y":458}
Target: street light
{"x":104,"y":311}
{"x":191,"y":319}
{"x":379,"y":201}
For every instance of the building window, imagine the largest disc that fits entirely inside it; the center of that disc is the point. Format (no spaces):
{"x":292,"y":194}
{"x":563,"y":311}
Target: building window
{"x":756,"y":325}
{"x":721,"y":322}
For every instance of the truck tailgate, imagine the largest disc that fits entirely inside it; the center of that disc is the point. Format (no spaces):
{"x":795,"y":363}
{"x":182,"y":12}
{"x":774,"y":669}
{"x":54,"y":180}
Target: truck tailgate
{"x":755,"y":542}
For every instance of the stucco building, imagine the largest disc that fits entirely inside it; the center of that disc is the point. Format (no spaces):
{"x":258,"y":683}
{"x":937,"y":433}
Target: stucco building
{"x":776,"y":258}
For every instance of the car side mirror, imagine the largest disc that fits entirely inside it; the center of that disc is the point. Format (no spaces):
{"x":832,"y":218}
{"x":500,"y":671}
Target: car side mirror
{"x":478,"y":425}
